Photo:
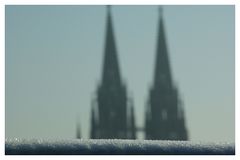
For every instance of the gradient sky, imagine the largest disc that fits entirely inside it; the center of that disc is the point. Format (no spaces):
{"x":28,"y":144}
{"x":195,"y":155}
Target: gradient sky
{"x":54,"y":58}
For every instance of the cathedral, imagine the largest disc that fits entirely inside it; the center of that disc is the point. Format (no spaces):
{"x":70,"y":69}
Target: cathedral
{"x":112,"y":112}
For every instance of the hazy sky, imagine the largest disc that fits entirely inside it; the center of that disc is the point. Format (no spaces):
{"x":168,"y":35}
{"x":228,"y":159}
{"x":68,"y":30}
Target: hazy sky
{"x":54,"y":58}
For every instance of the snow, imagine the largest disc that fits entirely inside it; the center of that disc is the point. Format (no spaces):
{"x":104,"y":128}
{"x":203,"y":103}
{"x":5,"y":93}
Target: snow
{"x":114,"y":146}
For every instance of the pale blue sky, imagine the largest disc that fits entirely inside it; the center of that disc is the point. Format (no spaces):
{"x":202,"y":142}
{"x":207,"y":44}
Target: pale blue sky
{"x":54,"y":60}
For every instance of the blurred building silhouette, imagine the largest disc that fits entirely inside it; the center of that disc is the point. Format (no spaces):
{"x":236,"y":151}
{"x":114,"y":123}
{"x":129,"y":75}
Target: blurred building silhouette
{"x":112,"y":114}
{"x":164,"y":112}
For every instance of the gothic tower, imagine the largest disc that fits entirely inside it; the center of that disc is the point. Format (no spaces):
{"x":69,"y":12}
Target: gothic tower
{"x":112,"y":111}
{"x":164,"y":112}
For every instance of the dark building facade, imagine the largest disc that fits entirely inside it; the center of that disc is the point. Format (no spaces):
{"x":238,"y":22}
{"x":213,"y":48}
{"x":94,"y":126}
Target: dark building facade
{"x":112,"y":114}
{"x":164,"y":111}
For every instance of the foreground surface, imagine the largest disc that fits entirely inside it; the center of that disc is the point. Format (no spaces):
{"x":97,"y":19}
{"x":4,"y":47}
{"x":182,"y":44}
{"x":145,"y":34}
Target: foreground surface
{"x":114,"y":146}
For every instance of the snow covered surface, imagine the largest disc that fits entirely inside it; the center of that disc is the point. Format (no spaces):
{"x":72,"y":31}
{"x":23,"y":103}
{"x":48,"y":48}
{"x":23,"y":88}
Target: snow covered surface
{"x":114,"y":146}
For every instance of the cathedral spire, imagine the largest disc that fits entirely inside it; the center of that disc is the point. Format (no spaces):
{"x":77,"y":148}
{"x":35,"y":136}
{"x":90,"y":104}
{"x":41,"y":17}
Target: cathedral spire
{"x":110,"y":114}
{"x":111,"y":73}
{"x":162,"y":67}
{"x":78,"y":132}
{"x":162,"y":120}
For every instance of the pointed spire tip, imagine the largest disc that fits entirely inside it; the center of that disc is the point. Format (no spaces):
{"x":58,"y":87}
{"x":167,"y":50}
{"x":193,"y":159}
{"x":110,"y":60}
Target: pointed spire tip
{"x":160,"y":9}
{"x":108,"y":8}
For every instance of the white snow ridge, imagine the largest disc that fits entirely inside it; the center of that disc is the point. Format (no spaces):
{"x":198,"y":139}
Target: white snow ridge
{"x":114,"y":146}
